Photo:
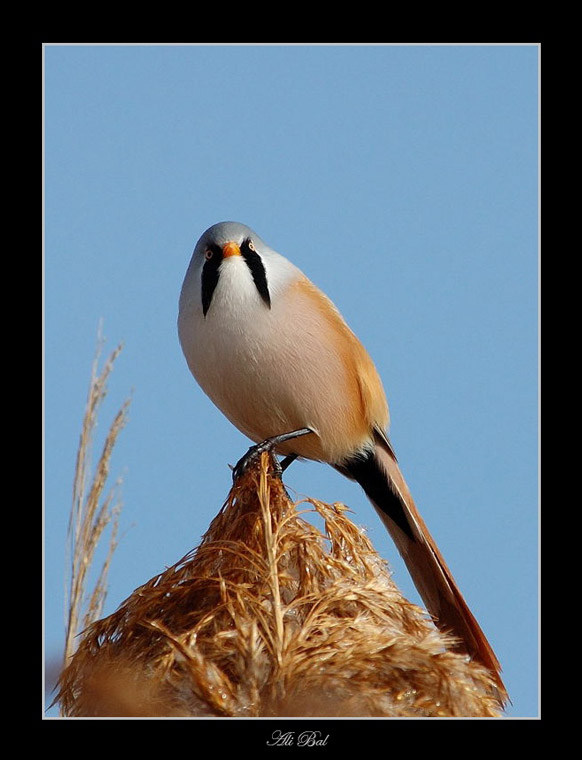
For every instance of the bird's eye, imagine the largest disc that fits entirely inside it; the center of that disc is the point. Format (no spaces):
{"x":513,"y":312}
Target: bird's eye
{"x":251,"y":246}
{"x":208,"y":254}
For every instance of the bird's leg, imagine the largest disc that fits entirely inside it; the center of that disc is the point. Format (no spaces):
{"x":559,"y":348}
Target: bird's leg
{"x":268,"y":445}
{"x":286,"y":461}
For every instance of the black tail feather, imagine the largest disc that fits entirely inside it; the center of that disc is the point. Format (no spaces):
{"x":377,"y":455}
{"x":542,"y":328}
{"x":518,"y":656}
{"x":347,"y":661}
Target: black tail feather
{"x":367,"y":471}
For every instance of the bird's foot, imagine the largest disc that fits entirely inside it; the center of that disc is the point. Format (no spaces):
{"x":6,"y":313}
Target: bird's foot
{"x":268,"y":445}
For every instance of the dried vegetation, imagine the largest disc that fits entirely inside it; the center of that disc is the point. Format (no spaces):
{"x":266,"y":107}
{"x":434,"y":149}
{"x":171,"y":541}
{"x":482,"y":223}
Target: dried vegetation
{"x":269,"y":616}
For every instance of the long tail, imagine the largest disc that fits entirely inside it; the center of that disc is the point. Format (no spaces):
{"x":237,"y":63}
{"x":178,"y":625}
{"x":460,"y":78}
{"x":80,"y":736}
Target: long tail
{"x":380,"y":477}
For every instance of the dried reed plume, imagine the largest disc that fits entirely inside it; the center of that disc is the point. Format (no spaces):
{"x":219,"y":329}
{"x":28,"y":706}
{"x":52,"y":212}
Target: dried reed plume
{"x":91,"y":511}
{"x":271,"y":617}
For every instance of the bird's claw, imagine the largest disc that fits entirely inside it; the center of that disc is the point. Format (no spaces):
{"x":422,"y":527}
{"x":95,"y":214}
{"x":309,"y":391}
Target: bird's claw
{"x":251,"y":457}
{"x":268,"y":445}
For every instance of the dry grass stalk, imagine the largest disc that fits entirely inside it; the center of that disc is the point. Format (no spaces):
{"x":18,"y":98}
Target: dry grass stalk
{"x":91,"y":512}
{"x":271,"y":617}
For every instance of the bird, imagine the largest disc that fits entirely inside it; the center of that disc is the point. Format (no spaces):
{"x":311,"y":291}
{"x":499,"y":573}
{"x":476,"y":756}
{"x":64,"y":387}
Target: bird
{"x":275,"y":355}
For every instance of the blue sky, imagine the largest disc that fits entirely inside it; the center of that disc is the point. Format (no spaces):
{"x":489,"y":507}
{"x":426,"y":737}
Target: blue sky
{"x":403,"y":180}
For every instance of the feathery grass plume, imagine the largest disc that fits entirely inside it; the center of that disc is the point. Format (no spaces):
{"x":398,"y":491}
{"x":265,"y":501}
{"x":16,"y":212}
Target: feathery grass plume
{"x":269,"y":616}
{"x":91,"y":510}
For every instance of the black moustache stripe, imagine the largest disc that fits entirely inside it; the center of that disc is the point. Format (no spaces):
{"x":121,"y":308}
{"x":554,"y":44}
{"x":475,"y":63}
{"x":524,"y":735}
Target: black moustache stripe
{"x":210,"y":276}
{"x":211,"y":273}
{"x":257,"y":268}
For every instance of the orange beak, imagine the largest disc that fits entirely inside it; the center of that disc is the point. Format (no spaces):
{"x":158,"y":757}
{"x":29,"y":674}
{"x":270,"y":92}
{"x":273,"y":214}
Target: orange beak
{"x":230,"y":249}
